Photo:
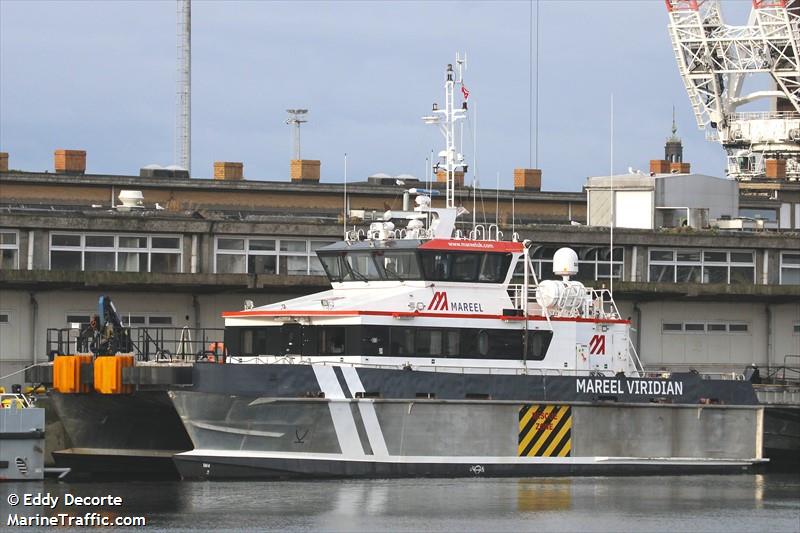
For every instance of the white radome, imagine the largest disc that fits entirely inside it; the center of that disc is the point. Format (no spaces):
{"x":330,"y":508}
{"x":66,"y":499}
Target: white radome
{"x":565,"y":262}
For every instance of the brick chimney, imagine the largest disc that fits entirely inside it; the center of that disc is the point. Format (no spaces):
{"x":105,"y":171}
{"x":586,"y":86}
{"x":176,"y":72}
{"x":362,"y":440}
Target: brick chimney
{"x":70,"y":161}
{"x":3,"y":161}
{"x":227,"y":170}
{"x":305,"y":170}
{"x":458,"y":177}
{"x":659,"y":166}
{"x":527,"y":179}
{"x":679,"y":168}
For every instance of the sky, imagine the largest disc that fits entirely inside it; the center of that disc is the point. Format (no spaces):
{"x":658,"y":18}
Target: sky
{"x":101,"y":76}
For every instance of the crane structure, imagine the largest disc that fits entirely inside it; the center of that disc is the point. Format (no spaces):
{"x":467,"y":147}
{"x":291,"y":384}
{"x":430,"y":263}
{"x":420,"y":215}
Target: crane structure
{"x":716,"y":59}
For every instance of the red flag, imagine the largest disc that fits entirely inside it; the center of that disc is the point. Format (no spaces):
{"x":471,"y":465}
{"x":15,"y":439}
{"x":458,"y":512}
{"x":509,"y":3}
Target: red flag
{"x":464,"y":91}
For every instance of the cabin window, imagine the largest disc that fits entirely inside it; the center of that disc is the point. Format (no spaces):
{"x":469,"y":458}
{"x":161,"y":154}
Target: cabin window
{"x":428,"y":342}
{"x":538,"y":342}
{"x":452,"y":343}
{"x":402,"y":342}
{"x":332,"y":340}
{"x":394,"y":341}
{"x":483,"y":343}
{"x":374,"y":340}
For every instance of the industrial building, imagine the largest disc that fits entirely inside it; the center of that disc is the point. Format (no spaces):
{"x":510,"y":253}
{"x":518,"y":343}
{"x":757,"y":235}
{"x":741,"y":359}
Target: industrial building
{"x":190,"y":249}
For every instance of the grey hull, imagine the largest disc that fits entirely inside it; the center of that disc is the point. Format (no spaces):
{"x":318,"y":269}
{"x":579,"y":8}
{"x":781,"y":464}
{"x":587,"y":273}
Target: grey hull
{"x":243,"y":436}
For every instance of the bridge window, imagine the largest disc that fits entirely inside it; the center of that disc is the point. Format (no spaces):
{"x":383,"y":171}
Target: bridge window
{"x":465,"y":267}
{"x":380,"y":265}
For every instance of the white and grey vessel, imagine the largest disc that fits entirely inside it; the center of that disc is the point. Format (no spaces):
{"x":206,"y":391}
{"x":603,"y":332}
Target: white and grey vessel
{"x":437,"y":352}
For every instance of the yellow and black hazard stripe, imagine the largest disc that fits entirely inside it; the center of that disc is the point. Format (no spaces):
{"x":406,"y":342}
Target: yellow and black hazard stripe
{"x":545,"y":431}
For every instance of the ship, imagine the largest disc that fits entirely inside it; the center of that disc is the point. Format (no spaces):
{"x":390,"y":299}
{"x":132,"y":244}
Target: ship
{"x":438,"y":352}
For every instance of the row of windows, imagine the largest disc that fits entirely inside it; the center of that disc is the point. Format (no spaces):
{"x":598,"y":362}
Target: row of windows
{"x":701,"y":266}
{"x":593,"y":263}
{"x":394,"y":341}
{"x":120,"y":253}
{"x":705,"y":327}
{"x":256,"y":255}
{"x":128,"y":319}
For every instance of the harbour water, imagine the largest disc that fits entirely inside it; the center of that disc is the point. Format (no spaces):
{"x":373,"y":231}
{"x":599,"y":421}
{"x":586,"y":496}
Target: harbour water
{"x":751,"y":503}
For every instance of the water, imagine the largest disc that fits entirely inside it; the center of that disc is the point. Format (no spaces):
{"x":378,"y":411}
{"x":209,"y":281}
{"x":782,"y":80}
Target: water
{"x":752,"y":503}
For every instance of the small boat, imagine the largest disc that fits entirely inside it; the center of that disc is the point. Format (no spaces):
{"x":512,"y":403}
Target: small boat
{"x":21,"y":438}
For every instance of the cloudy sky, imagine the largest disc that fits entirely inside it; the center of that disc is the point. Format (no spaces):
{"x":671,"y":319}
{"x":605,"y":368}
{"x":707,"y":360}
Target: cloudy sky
{"x":100,"y":76}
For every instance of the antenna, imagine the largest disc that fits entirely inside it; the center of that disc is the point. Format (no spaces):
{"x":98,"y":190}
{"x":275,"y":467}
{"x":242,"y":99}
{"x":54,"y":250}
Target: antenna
{"x":296,"y":117}
{"x":474,"y":159}
{"x":611,"y":174}
{"x":344,"y":213}
{"x":183,"y":122}
{"x":497,"y":202}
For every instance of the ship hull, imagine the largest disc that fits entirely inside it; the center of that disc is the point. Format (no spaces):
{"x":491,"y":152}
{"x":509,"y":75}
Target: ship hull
{"x":264,"y":421}
{"x":127,"y":435}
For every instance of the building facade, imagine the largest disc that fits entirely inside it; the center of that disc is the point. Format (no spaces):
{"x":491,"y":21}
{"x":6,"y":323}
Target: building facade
{"x":705,"y":299}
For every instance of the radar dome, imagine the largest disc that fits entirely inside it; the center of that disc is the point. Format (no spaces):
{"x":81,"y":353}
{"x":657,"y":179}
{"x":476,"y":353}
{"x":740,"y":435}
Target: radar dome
{"x":565,"y":262}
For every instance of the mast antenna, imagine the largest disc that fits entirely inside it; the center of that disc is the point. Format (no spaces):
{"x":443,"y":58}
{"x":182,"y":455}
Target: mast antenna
{"x":296,"y":117}
{"x":446,"y":119}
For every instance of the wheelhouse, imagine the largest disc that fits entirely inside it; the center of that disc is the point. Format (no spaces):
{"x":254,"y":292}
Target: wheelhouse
{"x":414,"y":261}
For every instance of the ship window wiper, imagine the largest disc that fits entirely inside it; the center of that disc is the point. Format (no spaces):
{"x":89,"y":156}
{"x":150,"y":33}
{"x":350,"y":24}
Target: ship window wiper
{"x":355,"y":274}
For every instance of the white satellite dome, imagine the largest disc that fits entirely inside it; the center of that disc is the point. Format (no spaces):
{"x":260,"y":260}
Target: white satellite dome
{"x":565,"y":262}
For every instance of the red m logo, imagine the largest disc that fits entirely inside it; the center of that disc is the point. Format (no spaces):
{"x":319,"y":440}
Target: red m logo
{"x":438,"y":302}
{"x":597,"y":346}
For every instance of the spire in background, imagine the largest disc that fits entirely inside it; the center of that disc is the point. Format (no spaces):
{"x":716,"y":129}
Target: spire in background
{"x":673,"y":149}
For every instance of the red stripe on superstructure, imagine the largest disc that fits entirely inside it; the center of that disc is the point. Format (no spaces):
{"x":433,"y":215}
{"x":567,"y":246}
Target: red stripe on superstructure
{"x":411,"y":314}
{"x":460,"y":244}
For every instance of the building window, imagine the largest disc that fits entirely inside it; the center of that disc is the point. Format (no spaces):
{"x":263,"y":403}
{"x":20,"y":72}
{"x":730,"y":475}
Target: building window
{"x":702,"y":266}
{"x":121,"y":253}
{"x":9,"y":249}
{"x":128,"y":319}
{"x":796,"y":328}
{"x":5,"y":318}
{"x":710,"y":328}
{"x":790,"y":268}
{"x":267,"y":255}
{"x":593,"y":262}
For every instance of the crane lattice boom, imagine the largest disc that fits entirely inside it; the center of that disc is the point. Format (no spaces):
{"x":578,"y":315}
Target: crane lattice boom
{"x":715,"y":59}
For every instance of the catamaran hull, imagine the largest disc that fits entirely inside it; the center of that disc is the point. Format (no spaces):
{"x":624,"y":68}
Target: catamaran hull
{"x":330,"y":427}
